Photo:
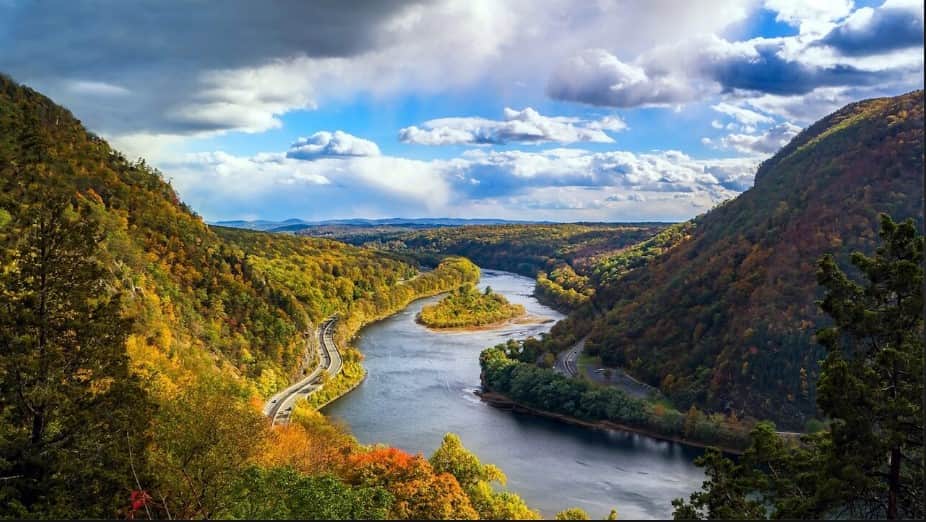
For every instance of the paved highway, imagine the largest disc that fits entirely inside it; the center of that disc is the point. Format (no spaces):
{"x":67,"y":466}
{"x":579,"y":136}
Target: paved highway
{"x":280,"y":405}
{"x":567,"y":361}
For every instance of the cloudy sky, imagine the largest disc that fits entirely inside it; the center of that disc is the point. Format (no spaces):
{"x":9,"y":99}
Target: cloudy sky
{"x":521,"y":109}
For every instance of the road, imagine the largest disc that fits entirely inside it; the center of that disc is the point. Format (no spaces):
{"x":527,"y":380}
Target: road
{"x":280,"y":405}
{"x":567,"y":360}
{"x":567,"y":364}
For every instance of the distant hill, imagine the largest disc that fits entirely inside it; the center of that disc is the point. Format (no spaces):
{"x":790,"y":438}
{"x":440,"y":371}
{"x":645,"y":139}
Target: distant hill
{"x":726,"y":318}
{"x":295,"y":224}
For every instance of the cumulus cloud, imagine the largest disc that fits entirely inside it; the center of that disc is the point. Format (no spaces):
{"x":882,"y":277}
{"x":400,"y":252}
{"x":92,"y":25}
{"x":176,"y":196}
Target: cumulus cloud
{"x":324,"y":144}
{"x":809,"y":16}
{"x":766,"y":143}
{"x":293,"y":55}
{"x":593,"y":184}
{"x":597,"y":77}
{"x":513,"y":172}
{"x":744,"y":116}
{"x":276,"y":186}
{"x":869,"y":47}
{"x":875,"y":31}
{"x":632,"y":196}
{"x":525,"y":126}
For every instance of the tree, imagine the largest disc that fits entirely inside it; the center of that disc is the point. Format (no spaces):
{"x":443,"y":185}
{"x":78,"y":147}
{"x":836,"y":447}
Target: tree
{"x":572,"y":514}
{"x":419,"y":492}
{"x":451,"y":457}
{"x":203,"y":440}
{"x":72,"y":417}
{"x":871,"y":383}
{"x":475,"y":478}
{"x":283,"y":493}
{"x":724,"y":495}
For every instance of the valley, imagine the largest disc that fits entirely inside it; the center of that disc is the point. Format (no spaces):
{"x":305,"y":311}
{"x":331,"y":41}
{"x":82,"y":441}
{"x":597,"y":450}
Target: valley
{"x":421,"y":383}
{"x":198,"y":370}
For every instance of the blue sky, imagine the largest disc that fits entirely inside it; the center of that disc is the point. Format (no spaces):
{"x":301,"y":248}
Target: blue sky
{"x":614,"y":110}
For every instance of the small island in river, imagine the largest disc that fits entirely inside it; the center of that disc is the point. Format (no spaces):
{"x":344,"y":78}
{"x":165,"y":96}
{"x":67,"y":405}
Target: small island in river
{"x":468,"y":307}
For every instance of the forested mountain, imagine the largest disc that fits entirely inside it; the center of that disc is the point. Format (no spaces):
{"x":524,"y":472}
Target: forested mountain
{"x":137,"y":345}
{"x":187,"y":288}
{"x":726,"y":318}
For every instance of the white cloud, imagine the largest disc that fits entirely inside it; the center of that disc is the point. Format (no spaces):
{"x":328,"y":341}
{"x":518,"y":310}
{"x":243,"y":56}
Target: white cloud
{"x":811,"y":16}
{"x":524,"y":126}
{"x":767,"y":142}
{"x":742,"y":115}
{"x":868,"y":31}
{"x":632,"y":196}
{"x":574,"y":183}
{"x":92,"y":88}
{"x":879,"y":47}
{"x":272,"y":184}
{"x":325,"y":144}
{"x":513,"y":172}
{"x":608,"y":123}
{"x":597,"y":77}
{"x":315,"y":53}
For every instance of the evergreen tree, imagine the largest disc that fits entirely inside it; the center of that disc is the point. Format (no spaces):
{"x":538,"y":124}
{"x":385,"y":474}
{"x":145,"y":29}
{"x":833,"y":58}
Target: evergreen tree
{"x":871,"y":384}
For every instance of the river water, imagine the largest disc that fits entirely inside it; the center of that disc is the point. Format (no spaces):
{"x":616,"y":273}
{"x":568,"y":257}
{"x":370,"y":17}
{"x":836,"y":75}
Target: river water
{"x":420,"y":385}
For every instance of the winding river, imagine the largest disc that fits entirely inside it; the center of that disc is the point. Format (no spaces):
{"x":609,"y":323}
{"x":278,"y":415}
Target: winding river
{"x":420,"y":385}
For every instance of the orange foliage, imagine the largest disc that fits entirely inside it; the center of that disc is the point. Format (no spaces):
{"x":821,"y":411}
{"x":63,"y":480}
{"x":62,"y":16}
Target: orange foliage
{"x":419,"y":492}
{"x":311,"y":445}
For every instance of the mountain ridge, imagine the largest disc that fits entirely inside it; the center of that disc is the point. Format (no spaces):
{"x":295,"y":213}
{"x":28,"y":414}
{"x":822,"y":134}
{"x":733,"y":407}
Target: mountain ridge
{"x":726,"y":319}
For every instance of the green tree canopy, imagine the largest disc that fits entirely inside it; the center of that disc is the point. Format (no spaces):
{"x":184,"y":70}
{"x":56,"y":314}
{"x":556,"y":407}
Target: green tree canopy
{"x":71,"y":414}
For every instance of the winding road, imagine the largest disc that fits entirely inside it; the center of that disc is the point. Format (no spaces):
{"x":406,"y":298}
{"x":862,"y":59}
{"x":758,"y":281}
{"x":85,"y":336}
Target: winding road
{"x":279,"y":407}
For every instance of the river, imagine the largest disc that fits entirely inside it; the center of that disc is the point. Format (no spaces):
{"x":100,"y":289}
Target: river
{"x":420,"y":385}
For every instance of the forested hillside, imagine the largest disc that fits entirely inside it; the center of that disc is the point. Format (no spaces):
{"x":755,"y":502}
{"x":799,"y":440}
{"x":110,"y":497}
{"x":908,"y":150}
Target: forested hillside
{"x":726,"y":318}
{"x":561,"y":256}
{"x":137,"y":346}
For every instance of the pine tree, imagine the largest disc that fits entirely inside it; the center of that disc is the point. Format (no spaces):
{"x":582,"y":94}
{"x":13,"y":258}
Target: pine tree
{"x":871,"y":384}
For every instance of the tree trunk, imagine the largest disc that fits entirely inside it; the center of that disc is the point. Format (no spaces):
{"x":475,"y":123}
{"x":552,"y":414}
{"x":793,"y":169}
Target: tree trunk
{"x":893,"y":483}
{"x":38,"y":425}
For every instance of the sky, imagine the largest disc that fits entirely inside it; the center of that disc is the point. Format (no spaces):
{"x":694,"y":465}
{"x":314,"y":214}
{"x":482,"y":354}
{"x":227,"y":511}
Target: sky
{"x":623,"y":110}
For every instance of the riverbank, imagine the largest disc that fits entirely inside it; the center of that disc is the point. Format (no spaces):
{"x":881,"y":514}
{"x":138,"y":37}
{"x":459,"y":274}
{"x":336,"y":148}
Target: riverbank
{"x":449,"y":274}
{"x":504,"y":372}
{"x":497,"y":400}
{"x":420,"y":386}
